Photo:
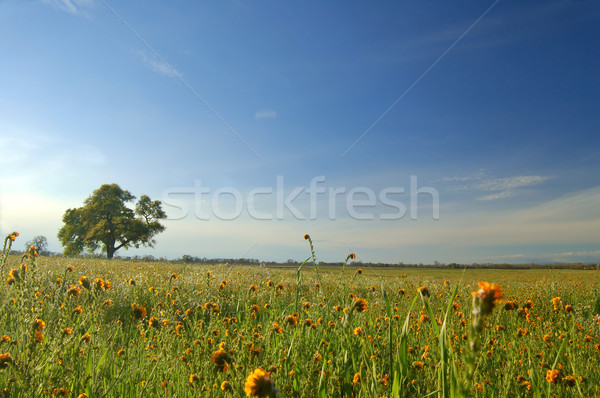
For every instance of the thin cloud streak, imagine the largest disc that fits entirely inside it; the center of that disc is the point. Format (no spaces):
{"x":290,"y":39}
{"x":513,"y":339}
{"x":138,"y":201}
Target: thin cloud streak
{"x":500,"y":195}
{"x":70,"y":6}
{"x":500,"y":188}
{"x":563,"y":257}
{"x":265,"y":114}
{"x":158,"y":66}
{"x":498,"y":184}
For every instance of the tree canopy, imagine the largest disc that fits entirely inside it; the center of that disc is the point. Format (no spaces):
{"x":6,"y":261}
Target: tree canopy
{"x":105,"y":222}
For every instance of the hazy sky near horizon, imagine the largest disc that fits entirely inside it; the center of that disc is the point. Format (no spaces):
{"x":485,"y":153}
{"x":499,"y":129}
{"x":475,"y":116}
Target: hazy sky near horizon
{"x":462,"y":131}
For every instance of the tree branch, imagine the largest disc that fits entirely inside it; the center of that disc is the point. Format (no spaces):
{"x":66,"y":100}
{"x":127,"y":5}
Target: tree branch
{"x":121,"y":245}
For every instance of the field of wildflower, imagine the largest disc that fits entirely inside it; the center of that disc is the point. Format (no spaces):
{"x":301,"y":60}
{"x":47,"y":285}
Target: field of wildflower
{"x":97,"y":328}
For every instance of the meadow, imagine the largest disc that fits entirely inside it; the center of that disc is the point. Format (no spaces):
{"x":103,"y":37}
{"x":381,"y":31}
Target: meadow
{"x":97,"y":328}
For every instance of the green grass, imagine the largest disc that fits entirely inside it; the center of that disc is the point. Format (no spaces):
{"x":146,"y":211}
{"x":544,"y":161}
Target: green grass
{"x":320,"y":356}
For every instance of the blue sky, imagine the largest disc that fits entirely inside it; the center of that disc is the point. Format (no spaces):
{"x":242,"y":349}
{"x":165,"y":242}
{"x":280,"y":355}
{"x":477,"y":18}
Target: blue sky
{"x":492,"y":106}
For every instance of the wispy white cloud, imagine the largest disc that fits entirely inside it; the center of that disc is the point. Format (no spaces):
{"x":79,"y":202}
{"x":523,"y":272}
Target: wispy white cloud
{"x":265,"y":114}
{"x":563,"y":257}
{"x":505,"y":257}
{"x":582,"y":256}
{"x":157,"y":65}
{"x":507,"y":187}
{"x":502,"y":184}
{"x":71,"y":6}
{"x":499,"y":188}
{"x":475,"y":176}
{"x":499,"y":195}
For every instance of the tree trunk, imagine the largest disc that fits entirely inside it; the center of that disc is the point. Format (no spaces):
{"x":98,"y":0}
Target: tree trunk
{"x":110,"y":252}
{"x":110,"y":246}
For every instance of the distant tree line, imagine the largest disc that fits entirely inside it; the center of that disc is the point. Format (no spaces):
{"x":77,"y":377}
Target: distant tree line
{"x":186,"y":258}
{"x":42,"y":245}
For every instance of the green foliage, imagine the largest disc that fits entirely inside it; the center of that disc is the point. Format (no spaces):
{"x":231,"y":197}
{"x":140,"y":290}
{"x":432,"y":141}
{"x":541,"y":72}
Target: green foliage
{"x":106,"y":222}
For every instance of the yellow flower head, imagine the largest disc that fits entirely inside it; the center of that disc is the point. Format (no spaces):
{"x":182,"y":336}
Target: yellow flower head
{"x":85,"y":282}
{"x":290,"y":320}
{"x":487,"y":296}
{"x":74,"y":291}
{"x":178,"y":329}
{"x":226,"y":386}
{"x":259,"y":384}
{"x":276,"y":328}
{"x":5,"y":360}
{"x":14,"y":273}
{"x":154,"y":322}
{"x":221,"y":360}
{"x":568,"y":308}
{"x":139,"y":312}
{"x":569,"y":381}
{"x":38,"y":324}
{"x":60,"y":392}
{"x":98,"y":284}
{"x":552,"y":376}
{"x":360,"y":305}
{"x":556,"y":303}
{"x":418,"y":365}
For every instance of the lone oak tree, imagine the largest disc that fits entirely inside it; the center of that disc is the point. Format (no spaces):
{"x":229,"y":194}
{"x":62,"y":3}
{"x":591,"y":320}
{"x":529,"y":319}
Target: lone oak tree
{"x":105,"y":221}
